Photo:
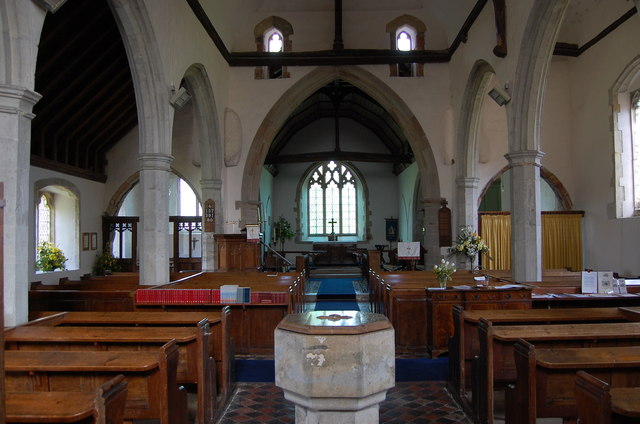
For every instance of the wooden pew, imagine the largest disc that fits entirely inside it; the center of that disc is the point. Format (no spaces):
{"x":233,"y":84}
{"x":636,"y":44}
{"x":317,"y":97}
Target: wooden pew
{"x":219,"y":324}
{"x":496,"y":365}
{"x":253,"y":324}
{"x":464,"y":344}
{"x":194,"y":367}
{"x":153,"y":392}
{"x":546,"y":377}
{"x":104,"y":406}
{"x":598,"y":403}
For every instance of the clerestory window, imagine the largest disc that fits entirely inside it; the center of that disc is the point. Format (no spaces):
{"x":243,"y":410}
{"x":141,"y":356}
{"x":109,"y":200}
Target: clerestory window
{"x":273,"y":35}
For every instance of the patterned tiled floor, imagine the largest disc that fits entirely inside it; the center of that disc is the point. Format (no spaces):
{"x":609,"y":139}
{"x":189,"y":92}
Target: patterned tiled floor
{"x":413,"y":403}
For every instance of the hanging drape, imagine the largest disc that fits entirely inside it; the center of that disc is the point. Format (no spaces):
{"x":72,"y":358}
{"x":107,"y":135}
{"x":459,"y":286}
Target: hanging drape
{"x":496,"y":231}
{"x":561,"y":240}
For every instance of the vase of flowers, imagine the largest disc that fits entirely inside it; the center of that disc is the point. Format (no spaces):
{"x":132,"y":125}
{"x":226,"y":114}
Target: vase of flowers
{"x":50,"y":257}
{"x":106,"y":263}
{"x":469,"y":244}
{"x":443,"y":271}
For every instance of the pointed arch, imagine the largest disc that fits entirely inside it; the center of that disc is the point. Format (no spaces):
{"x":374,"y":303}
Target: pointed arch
{"x":309,"y":84}
{"x":538,"y":42}
{"x":467,"y":140}
{"x":147,"y":72}
{"x":199,"y":86}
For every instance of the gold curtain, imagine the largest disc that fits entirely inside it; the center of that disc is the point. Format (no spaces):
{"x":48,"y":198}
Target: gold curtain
{"x":496,"y":231}
{"x":562,"y":241}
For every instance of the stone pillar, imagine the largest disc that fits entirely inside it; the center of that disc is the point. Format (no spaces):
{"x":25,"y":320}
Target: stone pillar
{"x":16,"y":104}
{"x":153,"y":233}
{"x":335,"y":368}
{"x":211,"y":189}
{"x":467,"y":213}
{"x":526,"y":226}
{"x":431,"y":240}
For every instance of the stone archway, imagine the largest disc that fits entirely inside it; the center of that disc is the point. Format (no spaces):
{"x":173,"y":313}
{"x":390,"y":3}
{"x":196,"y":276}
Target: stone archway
{"x":467,"y":144}
{"x":388,"y":99}
{"x":524,"y":115}
{"x":154,"y":132}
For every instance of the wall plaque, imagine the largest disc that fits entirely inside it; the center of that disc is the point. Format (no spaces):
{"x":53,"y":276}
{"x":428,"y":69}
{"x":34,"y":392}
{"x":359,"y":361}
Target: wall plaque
{"x":209,"y":216}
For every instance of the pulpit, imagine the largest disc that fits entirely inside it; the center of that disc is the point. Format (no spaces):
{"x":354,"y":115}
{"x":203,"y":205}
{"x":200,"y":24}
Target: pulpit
{"x":234,"y":253}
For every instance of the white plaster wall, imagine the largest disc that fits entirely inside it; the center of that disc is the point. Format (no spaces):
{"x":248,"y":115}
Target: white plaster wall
{"x":91,"y":209}
{"x":557,"y":124}
{"x":314,"y":30}
{"x":610,"y":244}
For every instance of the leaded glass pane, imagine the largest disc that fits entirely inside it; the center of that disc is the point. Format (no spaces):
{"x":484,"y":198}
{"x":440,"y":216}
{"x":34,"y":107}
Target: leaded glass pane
{"x":332,"y":197}
{"x":44,"y":220}
{"x":316,"y":209}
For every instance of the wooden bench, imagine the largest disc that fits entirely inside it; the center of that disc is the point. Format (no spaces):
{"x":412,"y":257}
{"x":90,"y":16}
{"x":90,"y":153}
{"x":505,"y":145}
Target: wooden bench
{"x":194,"y":367}
{"x":496,"y":365}
{"x":153,"y":392}
{"x":253,"y":324}
{"x":598,"y":403}
{"x":545,"y":378}
{"x":104,"y":406}
{"x":464,"y":344}
{"x":219,"y":325}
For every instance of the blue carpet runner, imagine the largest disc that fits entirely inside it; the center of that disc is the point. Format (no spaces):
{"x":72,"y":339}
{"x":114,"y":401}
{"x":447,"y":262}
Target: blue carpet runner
{"x":336,"y":294}
{"x":407,"y":369}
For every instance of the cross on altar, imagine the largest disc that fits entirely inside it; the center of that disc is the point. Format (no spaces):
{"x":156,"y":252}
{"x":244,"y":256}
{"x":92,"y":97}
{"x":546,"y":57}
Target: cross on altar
{"x":332,"y":236}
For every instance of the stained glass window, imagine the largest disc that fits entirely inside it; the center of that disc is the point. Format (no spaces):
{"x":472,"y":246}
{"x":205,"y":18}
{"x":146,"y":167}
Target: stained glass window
{"x":332,"y":200}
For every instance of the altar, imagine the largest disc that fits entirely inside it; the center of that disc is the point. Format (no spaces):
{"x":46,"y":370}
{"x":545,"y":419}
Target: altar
{"x":335,"y":254}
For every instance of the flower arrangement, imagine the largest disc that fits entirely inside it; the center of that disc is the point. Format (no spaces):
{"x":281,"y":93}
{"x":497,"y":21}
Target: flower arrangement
{"x":443,"y":271}
{"x":469,"y":243}
{"x":106,"y":263}
{"x":50,"y":257}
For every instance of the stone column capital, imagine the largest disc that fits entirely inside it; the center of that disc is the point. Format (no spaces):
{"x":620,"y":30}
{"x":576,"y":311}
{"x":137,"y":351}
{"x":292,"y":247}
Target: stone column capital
{"x":525,"y":157}
{"x":18,"y":100}
{"x":155,"y":162}
{"x":211,"y":184}
{"x":467,"y":182}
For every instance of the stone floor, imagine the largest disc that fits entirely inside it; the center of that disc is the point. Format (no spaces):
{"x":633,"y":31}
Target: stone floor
{"x":412,"y":402}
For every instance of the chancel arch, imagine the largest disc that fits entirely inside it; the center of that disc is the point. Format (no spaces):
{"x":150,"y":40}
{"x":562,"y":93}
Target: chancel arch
{"x":382,"y":94}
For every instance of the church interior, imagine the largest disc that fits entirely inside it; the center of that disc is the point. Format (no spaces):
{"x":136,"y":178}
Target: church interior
{"x":190,"y":185}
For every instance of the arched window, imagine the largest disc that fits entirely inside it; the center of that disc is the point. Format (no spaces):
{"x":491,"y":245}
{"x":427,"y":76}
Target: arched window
{"x":406,"y":34}
{"x":274,"y":42}
{"x":44,"y":220}
{"x":332,"y":200}
{"x":273,"y":35}
{"x":635,"y":136}
{"x":404,"y":42}
{"x":625,"y":107}
{"x":332,"y":197}
{"x":57,"y":221}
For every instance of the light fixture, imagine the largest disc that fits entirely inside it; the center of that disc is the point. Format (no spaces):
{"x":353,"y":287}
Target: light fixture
{"x":499,"y":96}
{"x":180,"y":98}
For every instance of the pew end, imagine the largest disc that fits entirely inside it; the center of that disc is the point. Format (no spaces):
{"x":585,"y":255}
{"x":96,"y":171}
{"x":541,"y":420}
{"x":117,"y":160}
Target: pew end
{"x":592,"y":399}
